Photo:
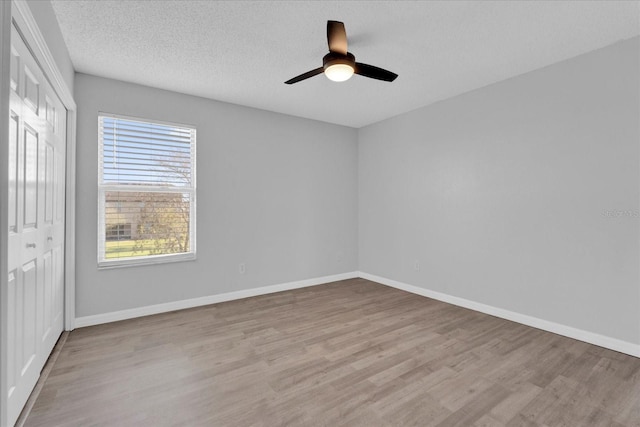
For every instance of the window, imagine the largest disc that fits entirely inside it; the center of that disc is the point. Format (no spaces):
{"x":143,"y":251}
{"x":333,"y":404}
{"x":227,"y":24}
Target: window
{"x":146,"y":190}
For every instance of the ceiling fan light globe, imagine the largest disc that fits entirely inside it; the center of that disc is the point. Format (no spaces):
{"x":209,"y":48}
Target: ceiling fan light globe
{"x":339,"y":72}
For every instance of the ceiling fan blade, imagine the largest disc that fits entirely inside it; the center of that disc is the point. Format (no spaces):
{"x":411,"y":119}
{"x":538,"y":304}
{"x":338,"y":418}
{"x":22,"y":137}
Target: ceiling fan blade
{"x":374,"y":72}
{"x":337,"y":37}
{"x":305,"y":76}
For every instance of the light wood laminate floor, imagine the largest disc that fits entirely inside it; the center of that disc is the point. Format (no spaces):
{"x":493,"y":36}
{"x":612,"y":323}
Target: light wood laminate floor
{"x":350,"y":353}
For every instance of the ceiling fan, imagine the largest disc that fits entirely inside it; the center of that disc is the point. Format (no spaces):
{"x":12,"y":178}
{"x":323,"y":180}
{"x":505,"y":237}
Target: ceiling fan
{"x":339,"y":64}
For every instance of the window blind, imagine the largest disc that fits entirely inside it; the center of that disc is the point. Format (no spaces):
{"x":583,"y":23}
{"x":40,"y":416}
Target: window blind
{"x":146,"y":190}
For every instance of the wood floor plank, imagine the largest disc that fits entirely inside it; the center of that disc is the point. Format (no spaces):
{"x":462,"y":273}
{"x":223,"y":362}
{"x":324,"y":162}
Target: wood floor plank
{"x":350,"y":353}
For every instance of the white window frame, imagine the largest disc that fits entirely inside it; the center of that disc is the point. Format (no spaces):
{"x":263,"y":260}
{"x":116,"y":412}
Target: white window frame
{"x":104,"y":263}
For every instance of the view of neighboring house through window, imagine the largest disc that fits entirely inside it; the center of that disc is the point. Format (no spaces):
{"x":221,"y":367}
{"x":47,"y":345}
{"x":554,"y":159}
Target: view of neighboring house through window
{"x":146,"y":191}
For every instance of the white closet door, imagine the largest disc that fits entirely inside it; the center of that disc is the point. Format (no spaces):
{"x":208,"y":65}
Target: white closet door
{"x":37,"y":126}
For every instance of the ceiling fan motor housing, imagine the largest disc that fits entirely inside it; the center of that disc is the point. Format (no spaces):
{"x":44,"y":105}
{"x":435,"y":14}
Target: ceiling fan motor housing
{"x":334,"y":58}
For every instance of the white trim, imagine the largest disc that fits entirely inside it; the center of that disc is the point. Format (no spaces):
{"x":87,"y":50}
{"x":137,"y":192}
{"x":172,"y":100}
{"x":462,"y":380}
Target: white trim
{"x":146,"y":260}
{"x":145,"y":120}
{"x":70,"y":226}
{"x":5,"y":59}
{"x":210,"y":299}
{"x":546,"y":325}
{"x":38,"y":45}
{"x":557,"y":328}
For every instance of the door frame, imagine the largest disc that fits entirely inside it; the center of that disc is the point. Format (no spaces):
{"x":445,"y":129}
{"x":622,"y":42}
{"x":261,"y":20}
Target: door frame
{"x":5,"y":73}
{"x":18,"y":12}
{"x":26,"y":23}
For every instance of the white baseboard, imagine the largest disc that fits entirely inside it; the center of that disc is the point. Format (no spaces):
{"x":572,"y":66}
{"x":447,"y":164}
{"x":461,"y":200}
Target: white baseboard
{"x":557,"y":328}
{"x":210,"y":299}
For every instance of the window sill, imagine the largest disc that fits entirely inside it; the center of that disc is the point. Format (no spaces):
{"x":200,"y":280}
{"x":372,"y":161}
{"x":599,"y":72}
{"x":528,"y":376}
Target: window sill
{"x":147,"y":260}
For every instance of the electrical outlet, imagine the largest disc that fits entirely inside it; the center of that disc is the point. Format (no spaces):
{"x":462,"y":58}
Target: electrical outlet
{"x":339,"y":257}
{"x":242,"y":268}
{"x":416,"y":265}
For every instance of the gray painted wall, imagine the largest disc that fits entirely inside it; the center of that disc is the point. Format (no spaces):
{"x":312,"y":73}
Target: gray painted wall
{"x":48,"y":23}
{"x":274,"y":191}
{"x":508,"y":195}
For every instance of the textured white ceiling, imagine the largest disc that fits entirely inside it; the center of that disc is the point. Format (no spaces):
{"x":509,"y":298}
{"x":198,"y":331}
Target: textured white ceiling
{"x":243,"y":51}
